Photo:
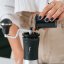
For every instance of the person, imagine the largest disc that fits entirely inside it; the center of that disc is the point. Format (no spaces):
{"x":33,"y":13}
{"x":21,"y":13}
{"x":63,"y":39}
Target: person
{"x":51,"y":40}
{"x":7,"y":12}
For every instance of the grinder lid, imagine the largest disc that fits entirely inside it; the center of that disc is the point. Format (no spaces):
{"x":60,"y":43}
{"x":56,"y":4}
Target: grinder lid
{"x":32,"y":35}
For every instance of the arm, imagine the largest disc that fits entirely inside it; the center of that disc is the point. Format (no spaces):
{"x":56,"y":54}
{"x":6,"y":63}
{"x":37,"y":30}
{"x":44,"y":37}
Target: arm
{"x":16,"y":45}
{"x":59,"y":0}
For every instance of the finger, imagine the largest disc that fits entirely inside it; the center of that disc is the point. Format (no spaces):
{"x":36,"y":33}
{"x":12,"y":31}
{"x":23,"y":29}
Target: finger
{"x":53,"y":10}
{"x":59,"y":12}
{"x":47,"y":8}
{"x":61,"y":18}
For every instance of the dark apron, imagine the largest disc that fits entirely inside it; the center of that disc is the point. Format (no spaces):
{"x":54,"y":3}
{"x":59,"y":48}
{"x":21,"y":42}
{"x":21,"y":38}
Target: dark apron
{"x":5,"y":49}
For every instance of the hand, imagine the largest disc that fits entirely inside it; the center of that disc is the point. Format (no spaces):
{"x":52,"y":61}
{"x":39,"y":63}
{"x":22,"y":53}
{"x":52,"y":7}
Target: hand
{"x":53,"y":10}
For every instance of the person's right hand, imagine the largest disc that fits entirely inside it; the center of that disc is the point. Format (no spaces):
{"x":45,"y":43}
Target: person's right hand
{"x":53,"y":10}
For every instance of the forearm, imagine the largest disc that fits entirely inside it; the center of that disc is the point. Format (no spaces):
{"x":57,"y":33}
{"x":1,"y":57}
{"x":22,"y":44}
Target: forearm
{"x":16,"y":45}
{"x":58,"y":0}
{"x":55,"y":0}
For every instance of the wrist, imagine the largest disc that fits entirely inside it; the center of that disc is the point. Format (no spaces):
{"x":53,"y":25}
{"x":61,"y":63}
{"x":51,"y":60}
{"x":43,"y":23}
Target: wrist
{"x":59,"y":0}
{"x":55,"y":0}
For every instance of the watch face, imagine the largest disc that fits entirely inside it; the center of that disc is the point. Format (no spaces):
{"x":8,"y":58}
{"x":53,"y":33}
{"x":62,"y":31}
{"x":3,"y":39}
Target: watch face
{"x":6,"y":23}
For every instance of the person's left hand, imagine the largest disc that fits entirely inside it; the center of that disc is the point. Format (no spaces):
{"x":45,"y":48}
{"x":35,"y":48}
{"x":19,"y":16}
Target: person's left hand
{"x":53,"y":10}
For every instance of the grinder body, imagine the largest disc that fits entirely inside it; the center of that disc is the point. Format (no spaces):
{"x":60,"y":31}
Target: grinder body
{"x":41,"y":23}
{"x":31,"y":44}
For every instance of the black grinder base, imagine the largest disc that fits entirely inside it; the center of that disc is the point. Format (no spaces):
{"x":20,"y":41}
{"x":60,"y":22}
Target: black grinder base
{"x":31,"y":44}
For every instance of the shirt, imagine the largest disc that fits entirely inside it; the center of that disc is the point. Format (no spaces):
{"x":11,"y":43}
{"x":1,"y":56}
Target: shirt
{"x":30,"y":5}
{"x":6,"y":7}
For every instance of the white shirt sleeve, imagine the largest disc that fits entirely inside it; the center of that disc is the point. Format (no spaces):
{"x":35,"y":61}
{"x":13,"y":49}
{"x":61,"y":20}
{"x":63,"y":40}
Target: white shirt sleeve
{"x":25,"y":5}
{"x":7,"y":2}
{"x":42,"y":4}
{"x":29,"y":5}
{"x":6,"y":7}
